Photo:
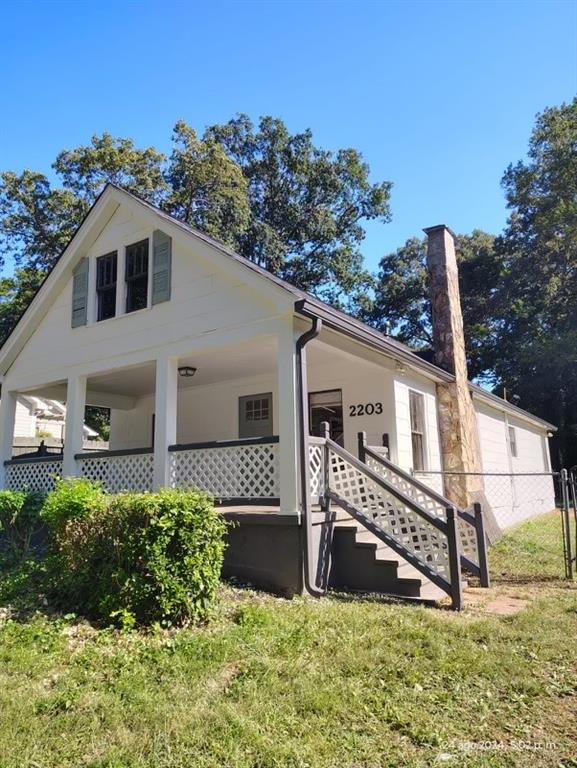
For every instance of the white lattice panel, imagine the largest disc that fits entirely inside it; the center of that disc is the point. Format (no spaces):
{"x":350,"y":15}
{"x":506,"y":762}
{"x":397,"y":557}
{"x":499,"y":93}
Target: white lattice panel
{"x":234,"y":471}
{"x":467,"y":532}
{"x":316,"y":461}
{"x":33,"y":475}
{"x":423,"y":540}
{"x":131,"y":472}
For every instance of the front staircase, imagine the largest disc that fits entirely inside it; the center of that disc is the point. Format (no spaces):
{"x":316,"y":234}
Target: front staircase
{"x":391,"y":533}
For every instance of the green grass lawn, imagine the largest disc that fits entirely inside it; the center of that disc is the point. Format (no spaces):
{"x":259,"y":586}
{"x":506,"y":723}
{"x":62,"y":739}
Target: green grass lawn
{"x":335,"y":682}
{"x":532,"y":550}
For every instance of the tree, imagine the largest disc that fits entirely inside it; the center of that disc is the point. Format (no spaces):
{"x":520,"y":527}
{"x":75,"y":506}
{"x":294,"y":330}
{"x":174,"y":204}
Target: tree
{"x":537,"y":338}
{"x":402,"y":307}
{"x":307,"y":207}
{"x":207,"y":189}
{"x":274,"y":196}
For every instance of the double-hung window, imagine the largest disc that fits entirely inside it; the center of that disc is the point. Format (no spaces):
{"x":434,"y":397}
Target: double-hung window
{"x":106,"y":267}
{"x":136,"y":276}
{"x":417,"y":413}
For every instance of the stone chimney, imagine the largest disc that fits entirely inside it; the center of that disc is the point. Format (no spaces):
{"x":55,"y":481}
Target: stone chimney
{"x":457,"y":420}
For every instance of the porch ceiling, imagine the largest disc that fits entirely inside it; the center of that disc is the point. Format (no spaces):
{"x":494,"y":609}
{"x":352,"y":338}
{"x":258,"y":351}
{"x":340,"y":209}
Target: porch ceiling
{"x":232,"y":362}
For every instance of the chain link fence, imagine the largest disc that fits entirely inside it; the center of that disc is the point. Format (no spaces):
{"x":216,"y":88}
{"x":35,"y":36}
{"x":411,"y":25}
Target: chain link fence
{"x":535,"y":514}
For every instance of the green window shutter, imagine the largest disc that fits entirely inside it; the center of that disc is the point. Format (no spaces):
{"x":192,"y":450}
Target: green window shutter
{"x":80,"y":294}
{"x":161,"y":266}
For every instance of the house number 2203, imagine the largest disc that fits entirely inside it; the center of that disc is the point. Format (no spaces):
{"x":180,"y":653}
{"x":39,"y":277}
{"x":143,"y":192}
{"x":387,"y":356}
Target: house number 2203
{"x":365,"y":409}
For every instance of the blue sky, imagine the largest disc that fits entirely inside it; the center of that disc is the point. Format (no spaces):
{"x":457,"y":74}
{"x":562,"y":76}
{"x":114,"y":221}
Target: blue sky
{"x":438,"y":96}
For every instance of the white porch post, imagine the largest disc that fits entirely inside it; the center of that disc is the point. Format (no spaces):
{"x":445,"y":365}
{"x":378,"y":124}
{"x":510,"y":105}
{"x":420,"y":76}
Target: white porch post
{"x":74,"y":424}
{"x":7,"y":419}
{"x":288,"y":420}
{"x":165,"y":417}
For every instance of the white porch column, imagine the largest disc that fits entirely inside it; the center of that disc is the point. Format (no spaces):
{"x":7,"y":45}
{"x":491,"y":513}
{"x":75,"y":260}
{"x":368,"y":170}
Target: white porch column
{"x":288,"y":420}
{"x":165,"y":411}
{"x":7,"y":419}
{"x":74,"y":424}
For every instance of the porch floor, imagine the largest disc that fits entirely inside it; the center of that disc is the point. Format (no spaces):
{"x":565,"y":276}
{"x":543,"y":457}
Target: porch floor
{"x":249,"y":509}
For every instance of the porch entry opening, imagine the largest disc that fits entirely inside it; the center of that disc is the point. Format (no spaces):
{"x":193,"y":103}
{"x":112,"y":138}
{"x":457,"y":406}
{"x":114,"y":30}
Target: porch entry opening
{"x":327,"y":406}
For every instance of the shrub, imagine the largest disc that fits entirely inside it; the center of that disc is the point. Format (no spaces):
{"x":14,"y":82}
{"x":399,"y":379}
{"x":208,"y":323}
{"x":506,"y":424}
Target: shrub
{"x":71,"y":499}
{"x":143,"y":557}
{"x":19,"y":519}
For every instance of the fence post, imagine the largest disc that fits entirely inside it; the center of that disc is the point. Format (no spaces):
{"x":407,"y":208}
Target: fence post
{"x":566,"y":524}
{"x":481,"y":546}
{"x":454,"y":559}
{"x":361,"y":442}
{"x":325,"y":434}
{"x":573,"y":488}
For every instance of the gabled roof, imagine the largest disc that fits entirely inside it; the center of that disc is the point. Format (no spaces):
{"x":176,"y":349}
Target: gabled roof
{"x":305,"y":304}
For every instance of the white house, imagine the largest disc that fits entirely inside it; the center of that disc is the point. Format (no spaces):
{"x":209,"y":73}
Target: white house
{"x":216,"y":372}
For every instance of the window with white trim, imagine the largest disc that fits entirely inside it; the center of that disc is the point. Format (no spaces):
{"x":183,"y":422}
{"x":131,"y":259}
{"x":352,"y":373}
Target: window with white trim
{"x":417,"y":414}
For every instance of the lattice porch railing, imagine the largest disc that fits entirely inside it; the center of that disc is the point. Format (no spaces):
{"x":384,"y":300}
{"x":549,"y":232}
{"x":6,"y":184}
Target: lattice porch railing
{"x":235,"y":469}
{"x":33,"y":474}
{"x":118,"y":470}
{"x":316,"y":469}
{"x":471,"y":533}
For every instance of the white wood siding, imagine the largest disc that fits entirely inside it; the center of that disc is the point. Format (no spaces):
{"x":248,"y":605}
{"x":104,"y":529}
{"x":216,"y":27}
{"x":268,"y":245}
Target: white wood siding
{"x":514,"y":496}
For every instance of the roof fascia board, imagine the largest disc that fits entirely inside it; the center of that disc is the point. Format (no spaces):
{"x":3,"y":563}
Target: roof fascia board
{"x":371,"y":338}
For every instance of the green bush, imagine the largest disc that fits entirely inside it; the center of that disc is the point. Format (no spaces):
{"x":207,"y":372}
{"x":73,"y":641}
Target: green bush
{"x":71,"y":499}
{"x":19,"y":520}
{"x":140,"y":558}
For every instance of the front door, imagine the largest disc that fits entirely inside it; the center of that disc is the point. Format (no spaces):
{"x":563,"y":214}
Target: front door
{"x":327,"y":406}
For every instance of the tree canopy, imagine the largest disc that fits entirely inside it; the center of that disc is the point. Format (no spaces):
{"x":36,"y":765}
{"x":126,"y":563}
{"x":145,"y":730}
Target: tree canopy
{"x":518,"y":290}
{"x":275,"y":197}
{"x":299,"y":211}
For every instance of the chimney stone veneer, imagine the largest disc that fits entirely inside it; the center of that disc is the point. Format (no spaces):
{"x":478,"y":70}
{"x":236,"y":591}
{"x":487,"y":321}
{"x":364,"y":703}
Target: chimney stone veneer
{"x":457,"y":419}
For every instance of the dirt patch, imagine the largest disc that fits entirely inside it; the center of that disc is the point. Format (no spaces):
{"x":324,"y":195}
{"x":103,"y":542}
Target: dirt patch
{"x":497,"y":602}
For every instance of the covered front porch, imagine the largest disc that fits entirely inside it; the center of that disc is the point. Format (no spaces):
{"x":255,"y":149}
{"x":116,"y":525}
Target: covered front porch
{"x":225,"y":419}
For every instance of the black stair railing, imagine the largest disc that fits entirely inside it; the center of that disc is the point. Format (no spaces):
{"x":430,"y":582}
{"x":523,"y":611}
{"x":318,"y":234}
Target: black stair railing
{"x":470,"y":525}
{"x":429,"y":543}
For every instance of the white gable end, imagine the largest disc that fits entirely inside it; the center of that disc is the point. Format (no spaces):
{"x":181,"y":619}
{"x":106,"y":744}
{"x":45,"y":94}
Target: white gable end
{"x":210,"y":295}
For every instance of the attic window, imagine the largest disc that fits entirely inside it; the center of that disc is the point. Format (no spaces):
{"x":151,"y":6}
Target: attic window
{"x":106,"y":285}
{"x":137,"y":276}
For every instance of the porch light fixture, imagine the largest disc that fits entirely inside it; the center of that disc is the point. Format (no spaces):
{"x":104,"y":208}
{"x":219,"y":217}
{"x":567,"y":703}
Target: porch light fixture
{"x":186,"y":371}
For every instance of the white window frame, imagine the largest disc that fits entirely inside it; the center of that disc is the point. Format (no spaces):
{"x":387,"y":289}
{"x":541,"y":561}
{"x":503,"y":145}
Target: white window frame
{"x":121,"y":292}
{"x":420,"y":398}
